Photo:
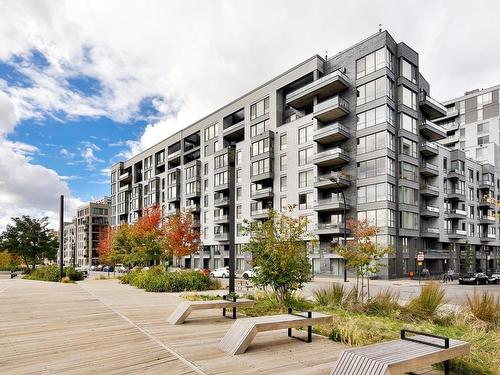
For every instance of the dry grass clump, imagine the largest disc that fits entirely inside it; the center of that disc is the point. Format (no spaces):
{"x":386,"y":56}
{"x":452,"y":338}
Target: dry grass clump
{"x":428,"y":302}
{"x":484,"y":307}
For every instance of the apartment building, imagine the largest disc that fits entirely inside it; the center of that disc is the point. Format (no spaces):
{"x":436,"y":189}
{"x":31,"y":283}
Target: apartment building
{"x":69,"y":242}
{"x":358,"y":125}
{"x":91,"y":222}
{"x":472,"y":124}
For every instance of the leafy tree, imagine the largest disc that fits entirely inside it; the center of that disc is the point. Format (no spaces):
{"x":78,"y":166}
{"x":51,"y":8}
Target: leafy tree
{"x":30,"y":239}
{"x":8,"y":261}
{"x":278,"y":248}
{"x":179,"y":236}
{"x":104,"y":247}
{"x":470,"y":258}
{"x":362,"y":254}
{"x":147,"y":236}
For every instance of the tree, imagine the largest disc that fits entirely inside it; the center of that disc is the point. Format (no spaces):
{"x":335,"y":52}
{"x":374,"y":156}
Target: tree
{"x":279,"y":249}
{"x":8,"y":261}
{"x":30,"y":239}
{"x":362,"y":254}
{"x":104,"y":247}
{"x":179,"y":236}
{"x":147,"y":236}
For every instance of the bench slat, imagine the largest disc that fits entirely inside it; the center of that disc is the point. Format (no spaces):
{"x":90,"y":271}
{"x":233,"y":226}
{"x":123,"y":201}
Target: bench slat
{"x":184,"y":309}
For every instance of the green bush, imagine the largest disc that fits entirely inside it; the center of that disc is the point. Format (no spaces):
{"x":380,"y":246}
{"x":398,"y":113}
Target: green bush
{"x":333,"y":295}
{"x":158,"y":280}
{"x":384,"y":303}
{"x":73,"y":274}
{"x":427,"y":303}
{"x":45,"y":273}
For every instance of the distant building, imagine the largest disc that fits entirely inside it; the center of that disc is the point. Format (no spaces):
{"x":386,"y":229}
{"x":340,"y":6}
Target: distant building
{"x":69,"y":242}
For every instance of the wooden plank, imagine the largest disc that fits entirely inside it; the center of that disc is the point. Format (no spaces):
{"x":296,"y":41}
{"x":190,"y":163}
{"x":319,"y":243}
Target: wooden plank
{"x":185,"y":308}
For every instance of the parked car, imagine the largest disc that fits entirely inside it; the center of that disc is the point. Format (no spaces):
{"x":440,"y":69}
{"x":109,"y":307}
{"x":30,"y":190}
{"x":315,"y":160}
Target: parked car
{"x":120,"y":268}
{"x":248,"y":274}
{"x":220,"y":272}
{"x":473,"y":279}
{"x":494,"y":279}
{"x":83,"y":270}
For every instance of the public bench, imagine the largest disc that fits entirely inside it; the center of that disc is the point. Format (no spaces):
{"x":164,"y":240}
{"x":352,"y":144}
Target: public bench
{"x":243,"y":331}
{"x":8,"y":274}
{"x":398,"y":357}
{"x":185,"y":308}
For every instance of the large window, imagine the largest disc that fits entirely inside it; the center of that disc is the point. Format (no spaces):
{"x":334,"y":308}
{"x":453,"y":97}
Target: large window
{"x":379,"y":218}
{"x":259,"y":128}
{"x":221,"y":161}
{"x":306,"y":200}
{"x":283,"y":162}
{"x":260,"y":147}
{"x":261,"y":166}
{"x":375,"y":142}
{"x":408,"y":123}
{"x":376,"y":193}
{"x":408,"y":220}
{"x":305,"y":134}
{"x":260,"y":108}
{"x":375,"y":116}
{"x":376,"y":167}
{"x":305,"y":179}
{"x":408,"y":147}
{"x":407,"y":97}
{"x":408,"y":171}
{"x":283,"y":141}
{"x":211,"y":132}
{"x":220,"y":178}
{"x":305,"y":156}
{"x":374,"y":61}
{"x":408,"y":195}
{"x":376,"y":89}
{"x":408,"y":70}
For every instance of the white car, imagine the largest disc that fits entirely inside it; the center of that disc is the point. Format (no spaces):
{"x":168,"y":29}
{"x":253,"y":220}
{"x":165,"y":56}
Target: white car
{"x":83,"y":270}
{"x":120,"y":268}
{"x":220,"y":272}
{"x":248,"y":274}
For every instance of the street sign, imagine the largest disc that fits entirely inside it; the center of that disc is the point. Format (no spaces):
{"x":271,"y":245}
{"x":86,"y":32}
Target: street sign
{"x":420,"y":256}
{"x":420,"y":263}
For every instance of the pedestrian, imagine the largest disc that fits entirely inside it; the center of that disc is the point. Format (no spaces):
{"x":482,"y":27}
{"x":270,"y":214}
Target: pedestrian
{"x":450,"y":274}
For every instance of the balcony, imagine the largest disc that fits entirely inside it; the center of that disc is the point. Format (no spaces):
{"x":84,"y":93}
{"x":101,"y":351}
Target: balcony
{"x":331,"y":204}
{"x":455,"y":173}
{"x":325,"y":182}
{"x":193,"y":194}
{"x":485,"y":184}
{"x":451,"y":140}
{"x":235,"y":132}
{"x":487,"y":202}
{"x":456,"y":214}
{"x":221,"y":202}
{"x":195,"y":223}
{"x":262,"y":194}
{"x":429,"y":190}
{"x":224,"y":236}
{"x":430,"y":232}
{"x":222,"y":219}
{"x":431,"y":107}
{"x":127,"y":176}
{"x":331,"y":133}
{"x":429,"y":211}
{"x":193,"y":207}
{"x":487,"y":237}
{"x":432,"y":131}
{"x":323,"y":87}
{"x":176,"y":196}
{"x":457,"y":234}
{"x":429,"y":169}
{"x":262,"y":176}
{"x":429,"y":149}
{"x":261,"y":214}
{"x":451,"y":128}
{"x":124,"y":188}
{"x":331,"y":228}
{"x":331,"y":109}
{"x":221,"y":187}
{"x":487,"y":219}
{"x":436,"y":254}
{"x":456,"y":194}
{"x":331,"y":157}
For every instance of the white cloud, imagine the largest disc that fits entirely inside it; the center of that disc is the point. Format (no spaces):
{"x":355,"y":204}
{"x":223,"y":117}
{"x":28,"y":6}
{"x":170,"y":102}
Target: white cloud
{"x":66,"y":153}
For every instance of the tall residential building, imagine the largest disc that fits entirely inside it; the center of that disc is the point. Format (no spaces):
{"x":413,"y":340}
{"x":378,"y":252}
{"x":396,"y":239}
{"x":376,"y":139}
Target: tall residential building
{"x":69,"y":242}
{"x":91,"y":222}
{"x":472,"y":124}
{"x":364,"y":117}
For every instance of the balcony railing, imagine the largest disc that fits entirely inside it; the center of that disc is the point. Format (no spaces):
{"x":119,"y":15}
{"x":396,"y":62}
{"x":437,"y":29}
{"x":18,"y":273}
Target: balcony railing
{"x":431,"y":230}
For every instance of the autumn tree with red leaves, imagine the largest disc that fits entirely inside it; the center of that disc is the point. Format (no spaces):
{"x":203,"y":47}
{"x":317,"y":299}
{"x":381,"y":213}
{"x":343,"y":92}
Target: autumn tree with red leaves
{"x":104,"y":247}
{"x":180,"y":238}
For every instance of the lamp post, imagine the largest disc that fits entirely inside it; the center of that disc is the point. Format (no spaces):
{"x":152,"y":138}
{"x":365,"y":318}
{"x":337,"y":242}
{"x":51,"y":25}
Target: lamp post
{"x":232,"y":216}
{"x":336,"y":179}
{"x":61,"y":237}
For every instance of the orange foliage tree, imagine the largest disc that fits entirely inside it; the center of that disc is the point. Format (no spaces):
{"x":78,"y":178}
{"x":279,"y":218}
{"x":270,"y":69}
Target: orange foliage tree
{"x":104,"y":247}
{"x":180,"y":238}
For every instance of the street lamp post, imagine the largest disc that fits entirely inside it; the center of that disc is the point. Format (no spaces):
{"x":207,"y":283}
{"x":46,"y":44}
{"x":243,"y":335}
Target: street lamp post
{"x":232,"y":216}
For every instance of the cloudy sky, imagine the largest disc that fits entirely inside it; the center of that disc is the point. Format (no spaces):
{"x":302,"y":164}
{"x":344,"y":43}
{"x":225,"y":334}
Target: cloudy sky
{"x":84,"y":84}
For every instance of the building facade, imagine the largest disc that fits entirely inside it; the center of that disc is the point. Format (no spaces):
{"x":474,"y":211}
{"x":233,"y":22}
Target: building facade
{"x":69,"y":242}
{"x":90,"y":224}
{"x":350,"y":137}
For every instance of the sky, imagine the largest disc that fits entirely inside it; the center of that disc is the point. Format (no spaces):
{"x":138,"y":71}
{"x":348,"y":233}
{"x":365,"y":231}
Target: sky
{"x":84,"y":84}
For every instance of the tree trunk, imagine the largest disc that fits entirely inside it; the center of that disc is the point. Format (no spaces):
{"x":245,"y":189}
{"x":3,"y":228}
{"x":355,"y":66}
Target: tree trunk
{"x":368,"y":287}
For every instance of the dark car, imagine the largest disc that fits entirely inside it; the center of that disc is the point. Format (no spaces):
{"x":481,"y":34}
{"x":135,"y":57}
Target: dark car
{"x":494,"y":278}
{"x":473,"y":279}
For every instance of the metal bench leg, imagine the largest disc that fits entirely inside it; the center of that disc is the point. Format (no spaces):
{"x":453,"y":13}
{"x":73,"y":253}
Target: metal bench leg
{"x":446,"y":367}
{"x":234,"y":312}
{"x":223,"y":311}
{"x":309,"y":334}
{"x":289,"y":332}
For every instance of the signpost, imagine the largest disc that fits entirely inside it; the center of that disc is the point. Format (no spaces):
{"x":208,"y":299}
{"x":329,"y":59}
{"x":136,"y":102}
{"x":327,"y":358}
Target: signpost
{"x":420,"y":260}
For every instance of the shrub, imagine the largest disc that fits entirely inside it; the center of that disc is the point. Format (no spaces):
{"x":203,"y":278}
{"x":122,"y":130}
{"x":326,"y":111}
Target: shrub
{"x":73,"y":274}
{"x":427,"y":303}
{"x":384,"y":303}
{"x":45,"y":273}
{"x":333,"y":295}
{"x":485,"y":307}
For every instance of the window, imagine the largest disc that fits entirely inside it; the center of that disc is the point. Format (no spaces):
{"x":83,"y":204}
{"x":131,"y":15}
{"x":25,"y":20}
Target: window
{"x":408,"y":171}
{"x":483,"y":140}
{"x":376,"y":141}
{"x":374,"y":61}
{"x":283,"y":183}
{"x":259,"y":128}
{"x":191,"y":171}
{"x":408,"y":123}
{"x":238,"y":212}
{"x":283,"y":162}
{"x":305,"y":156}
{"x":306,"y":200}
{"x":408,"y":147}
{"x":260,"y":147}
{"x":376,"y":167}
{"x":205,"y":150}
{"x":283,"y":141}
{"x":216,"y":146}
{"x":482,"y":128}
{"x":260,"y":167}
{"x":221,"y":161}
{"x":260,"y":108}
{"x":375,"y":116}
{"x":407,"y":97}
{"x":408,"y":71}
{"x":192,"y":187}
{"x":408,"y":220}
{"x":238,"y":157}
{"x":283,"y":204}
{"x":238,"y":175}
{"x":471,"y":175}
{"x":376,"y":193}
{"x":221,"y":178}
{"x":484,"y":99}
{"x":379,"y":218}
{"x":382,"y":86}
{"x":305,"y":179}
{"x":205,"y":201}
{"x":205,"y":169}
{"x":305,"y":134}
{"x":211,"y":132}
{"x":408,"y":195}
{"x":238,"y":192}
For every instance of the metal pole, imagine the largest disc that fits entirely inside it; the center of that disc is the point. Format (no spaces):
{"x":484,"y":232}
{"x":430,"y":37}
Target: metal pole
{"x":232,"y":216}
{"x":61,"y":237}
{"x":73,"y":247}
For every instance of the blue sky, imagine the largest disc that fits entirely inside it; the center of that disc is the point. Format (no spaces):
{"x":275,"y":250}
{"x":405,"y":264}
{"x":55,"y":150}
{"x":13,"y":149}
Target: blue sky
{"x":86,"y":83}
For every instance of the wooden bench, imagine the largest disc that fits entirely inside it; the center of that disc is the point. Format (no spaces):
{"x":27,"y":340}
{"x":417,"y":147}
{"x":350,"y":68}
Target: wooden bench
{"x":185,"y":308}
{"x":400,"y":356}
{"x":8,"y":274}
{"x":243,"y":331}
